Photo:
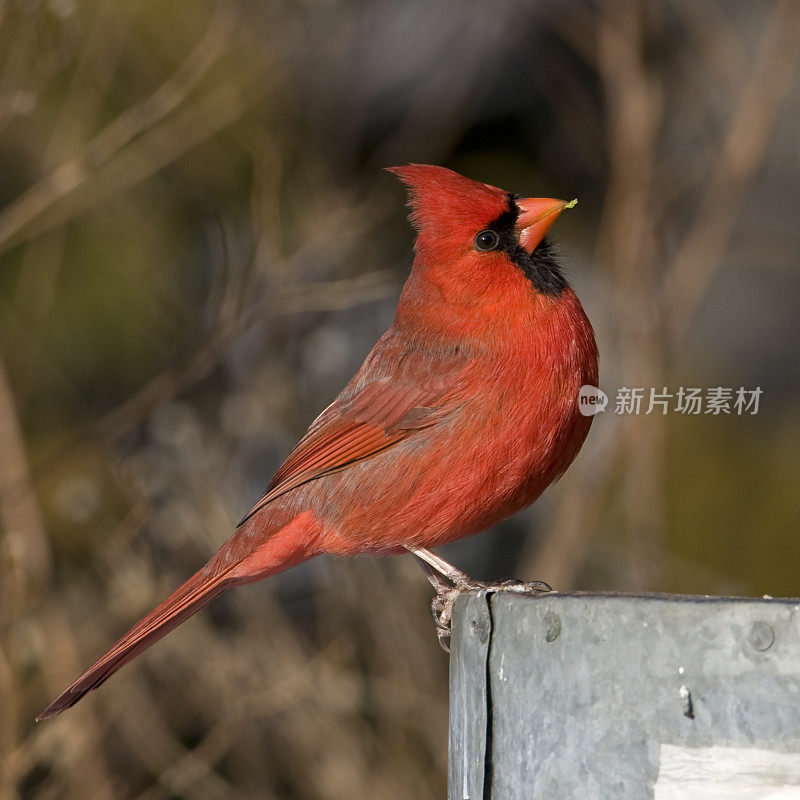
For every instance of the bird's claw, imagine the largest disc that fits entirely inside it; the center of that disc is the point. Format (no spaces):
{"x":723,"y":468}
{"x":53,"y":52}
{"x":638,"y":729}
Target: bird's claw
{"x":442,"y":612}
{"x":443,"y":600}
{"x":520,"y":587}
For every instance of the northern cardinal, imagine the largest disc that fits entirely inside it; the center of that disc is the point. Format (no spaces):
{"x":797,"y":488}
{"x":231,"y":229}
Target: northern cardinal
{"x":463,"y":413}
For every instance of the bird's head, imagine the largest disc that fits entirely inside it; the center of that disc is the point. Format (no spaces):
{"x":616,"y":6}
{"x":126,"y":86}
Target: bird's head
{"x":478,"y":245}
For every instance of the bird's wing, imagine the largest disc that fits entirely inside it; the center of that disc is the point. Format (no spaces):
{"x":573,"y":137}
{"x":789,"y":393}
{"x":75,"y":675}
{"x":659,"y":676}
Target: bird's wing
{"x":394,"y":394}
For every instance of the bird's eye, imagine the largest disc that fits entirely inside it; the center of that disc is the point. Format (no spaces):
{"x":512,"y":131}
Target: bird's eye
{"x":487,"y":240}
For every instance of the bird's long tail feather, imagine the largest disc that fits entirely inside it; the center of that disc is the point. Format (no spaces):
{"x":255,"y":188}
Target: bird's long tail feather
{"x":242,"y":559}
{"x":179,"y":606}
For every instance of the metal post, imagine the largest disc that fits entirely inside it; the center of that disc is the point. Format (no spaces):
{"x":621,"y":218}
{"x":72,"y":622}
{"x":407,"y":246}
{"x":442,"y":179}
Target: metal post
{"x":641,"y":697}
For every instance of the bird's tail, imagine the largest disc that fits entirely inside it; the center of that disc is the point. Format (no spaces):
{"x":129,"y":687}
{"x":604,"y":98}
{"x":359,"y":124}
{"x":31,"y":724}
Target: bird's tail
{"x":179,"y":606}
{"x":229,"y":567}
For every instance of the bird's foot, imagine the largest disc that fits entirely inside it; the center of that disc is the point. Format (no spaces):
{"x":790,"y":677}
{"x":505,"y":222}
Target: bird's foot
{"x":511,"y":585}
{"x":449,"y":583}
{"x":442,"y":612}
{"x":445,"y":597}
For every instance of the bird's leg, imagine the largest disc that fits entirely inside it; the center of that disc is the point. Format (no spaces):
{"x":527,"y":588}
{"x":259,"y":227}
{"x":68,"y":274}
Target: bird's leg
{"x":448,"y":582}
{"x":446,"y":593}
{"x":437,"y":565}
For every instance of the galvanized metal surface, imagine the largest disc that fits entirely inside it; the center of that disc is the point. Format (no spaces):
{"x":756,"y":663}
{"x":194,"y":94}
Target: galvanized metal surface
{"x":585,"y":695}
{"x":469,"y":704}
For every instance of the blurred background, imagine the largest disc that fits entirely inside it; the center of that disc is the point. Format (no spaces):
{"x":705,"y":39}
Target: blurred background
{"x":198,"y":246}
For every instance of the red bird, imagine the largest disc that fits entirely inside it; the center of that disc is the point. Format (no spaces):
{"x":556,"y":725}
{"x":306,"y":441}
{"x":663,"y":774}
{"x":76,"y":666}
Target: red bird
{"x":463,"y":413}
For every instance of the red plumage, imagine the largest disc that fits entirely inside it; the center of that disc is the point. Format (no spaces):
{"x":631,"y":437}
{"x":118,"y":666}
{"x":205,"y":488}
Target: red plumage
{"x":463,"y":413}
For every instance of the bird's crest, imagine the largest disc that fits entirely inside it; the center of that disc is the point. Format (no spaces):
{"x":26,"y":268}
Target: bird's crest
{"x":441,"y":199}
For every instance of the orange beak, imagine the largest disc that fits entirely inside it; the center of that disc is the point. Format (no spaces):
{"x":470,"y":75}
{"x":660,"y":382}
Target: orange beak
{"x":536,"y":216}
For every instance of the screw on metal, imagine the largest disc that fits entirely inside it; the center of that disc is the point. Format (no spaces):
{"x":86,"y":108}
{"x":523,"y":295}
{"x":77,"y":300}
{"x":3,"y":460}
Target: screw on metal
{"x":480,"y":623}
{"x":552,"y":626}
{"x":761,"y":636}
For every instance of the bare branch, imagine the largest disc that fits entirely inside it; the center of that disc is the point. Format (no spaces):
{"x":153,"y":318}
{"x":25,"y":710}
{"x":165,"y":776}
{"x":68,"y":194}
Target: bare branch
{"x":74,"y":172}
{"x":741,"y":154}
